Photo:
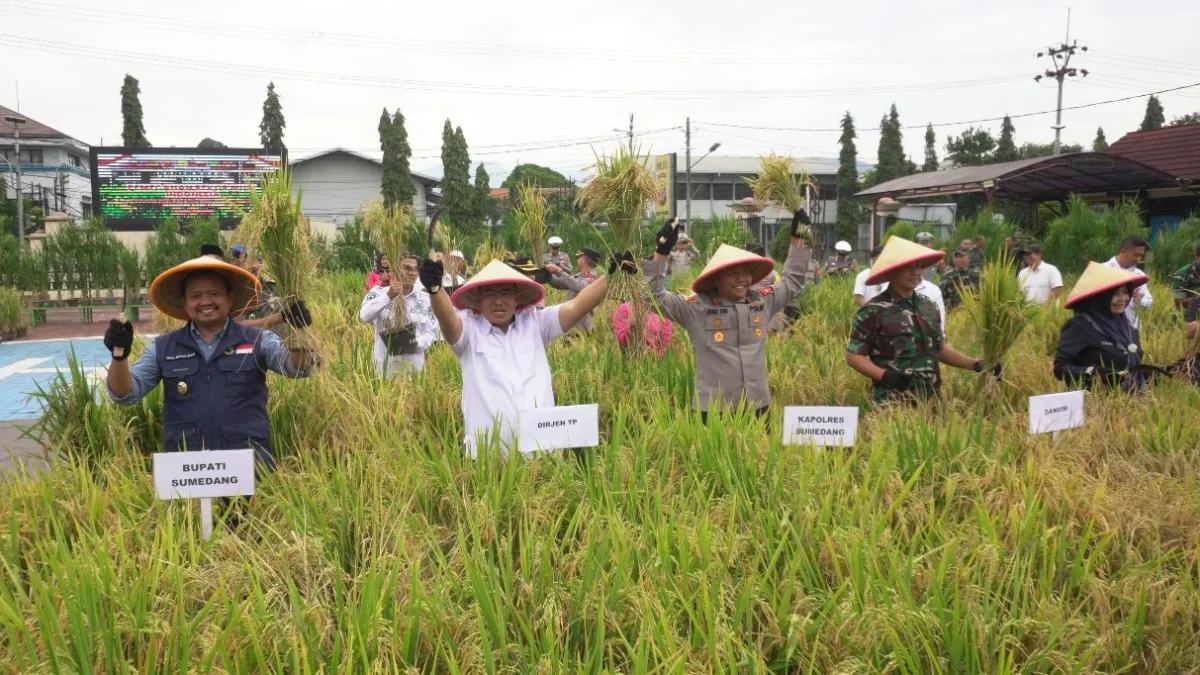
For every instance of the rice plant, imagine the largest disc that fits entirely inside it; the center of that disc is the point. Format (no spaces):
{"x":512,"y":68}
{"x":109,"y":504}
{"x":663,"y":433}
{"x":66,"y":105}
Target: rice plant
{"x":531,"y":214}
{"x":393,"y":227}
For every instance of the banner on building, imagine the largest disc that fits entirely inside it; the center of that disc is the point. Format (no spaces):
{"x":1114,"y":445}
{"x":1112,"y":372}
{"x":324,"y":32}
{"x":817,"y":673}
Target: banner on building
{"x":664,"y":180}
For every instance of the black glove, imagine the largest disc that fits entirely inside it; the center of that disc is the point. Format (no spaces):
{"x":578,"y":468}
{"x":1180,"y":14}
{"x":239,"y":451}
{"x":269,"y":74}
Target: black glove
{"x":119,"y":339}
{"x":431,"y":273}
{"x":997,"y":369}
{"x":667,"y":237}
{"x":800,"y":217}
{"x":895,"y":380}
{"x":623,"y":263}
{"x":297,"y":315}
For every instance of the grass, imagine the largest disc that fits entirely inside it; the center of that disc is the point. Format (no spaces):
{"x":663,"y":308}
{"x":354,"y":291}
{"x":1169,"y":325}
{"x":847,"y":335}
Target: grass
{"x":946,"y":541}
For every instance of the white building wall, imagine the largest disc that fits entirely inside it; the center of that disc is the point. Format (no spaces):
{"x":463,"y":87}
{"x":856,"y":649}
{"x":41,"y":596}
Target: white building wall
{"x":37,"y":180}
{"x":334,"y":187}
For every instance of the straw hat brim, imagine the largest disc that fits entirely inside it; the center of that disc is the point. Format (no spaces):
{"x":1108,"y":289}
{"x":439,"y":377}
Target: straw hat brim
{"x":495,"y":273}
{"x":1087,"y":287}
{"x":760,"y":268}
{"x":166,"y":291}
{"x":925,"y":260}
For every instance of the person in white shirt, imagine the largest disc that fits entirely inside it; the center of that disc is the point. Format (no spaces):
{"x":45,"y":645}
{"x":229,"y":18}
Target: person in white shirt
{"x":399,"y":348}
{"x":454,"y":267}
{"x":1130,"y":255}
{"x":862,"y":292}
{"x":1040,"y":280}
{"x":499,"y":334}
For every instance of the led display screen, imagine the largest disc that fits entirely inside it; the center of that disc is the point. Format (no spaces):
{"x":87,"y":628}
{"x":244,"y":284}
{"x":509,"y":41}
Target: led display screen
{"x":137,"y":188}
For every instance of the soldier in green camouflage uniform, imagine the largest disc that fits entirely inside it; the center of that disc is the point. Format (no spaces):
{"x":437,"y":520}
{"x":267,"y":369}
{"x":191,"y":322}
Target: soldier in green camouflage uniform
{"x":977,"y":253}
{"x":961,"y":278}
{"x":1185,"y":282}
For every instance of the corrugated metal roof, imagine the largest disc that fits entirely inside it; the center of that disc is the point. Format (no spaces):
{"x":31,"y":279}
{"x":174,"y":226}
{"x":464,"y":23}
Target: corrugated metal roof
{"x":367,"y":158}
{"x":817,"y":166}
{"x":1175,"y":150}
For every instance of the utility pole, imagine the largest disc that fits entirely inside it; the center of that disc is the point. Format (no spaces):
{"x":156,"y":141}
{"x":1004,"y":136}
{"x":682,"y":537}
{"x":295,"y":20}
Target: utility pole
{"x":687,"y":162}
{"x":16,"y":122}
{"x":631,"y":133}
{"x":1060,"y":56}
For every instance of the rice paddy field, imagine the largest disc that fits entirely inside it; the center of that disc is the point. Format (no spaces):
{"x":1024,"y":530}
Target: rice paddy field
{"x":947,"y":540}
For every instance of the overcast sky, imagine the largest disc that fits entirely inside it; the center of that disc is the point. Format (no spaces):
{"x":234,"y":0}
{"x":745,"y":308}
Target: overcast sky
{"x":533,"y":81}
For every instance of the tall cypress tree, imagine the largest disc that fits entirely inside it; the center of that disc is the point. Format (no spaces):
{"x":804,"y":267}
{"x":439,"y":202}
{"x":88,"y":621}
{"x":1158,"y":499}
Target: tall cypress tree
{"x":133,"y":134}
{"x":483,"y":186}
{"x":387,"y":182}
{"x":847,"y":182}
{"x":456,"y":176}
{"x":270,"y":129}
{"x":1155,"y":117}
{"x":1006,"y":147}
{"x":405,"y":191}
{"x":1101,"y":143}
{"x":931,"y":158}
{"x":892,"y":161}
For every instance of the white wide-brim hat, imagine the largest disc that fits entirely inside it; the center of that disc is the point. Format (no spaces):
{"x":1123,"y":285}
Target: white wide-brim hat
{"x":166,"y":291}
{"x":899,"y":253}
{"x":731,"y":256}
{"x":496,"y":273}
{"x":1098,"y":278}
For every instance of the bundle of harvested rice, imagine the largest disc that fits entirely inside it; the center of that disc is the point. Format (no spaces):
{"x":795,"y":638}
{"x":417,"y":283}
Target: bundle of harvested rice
{"x":777,"y":183}
{"x":998,"y":312}
{"x":531,"y":214}
{"x":491,"y":249}
{"x":447,"y":243}
{"x":393,"y":228}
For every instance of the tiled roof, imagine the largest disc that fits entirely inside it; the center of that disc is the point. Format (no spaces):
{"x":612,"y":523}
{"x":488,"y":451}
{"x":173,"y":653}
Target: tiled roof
{"x":30,"y":129}
{"x":1175,"y":150}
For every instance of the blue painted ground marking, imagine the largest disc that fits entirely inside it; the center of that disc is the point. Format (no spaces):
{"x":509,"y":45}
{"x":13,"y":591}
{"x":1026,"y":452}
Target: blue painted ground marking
{"x":25,"y":365}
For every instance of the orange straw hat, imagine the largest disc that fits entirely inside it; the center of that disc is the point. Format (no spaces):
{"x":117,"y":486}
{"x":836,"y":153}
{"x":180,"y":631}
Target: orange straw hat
{"x":1098,"y":278}
{"x":166,"y":291}
{"x":899,"y":253}
{"x":529,"y":292}
{"x":731,"y":256}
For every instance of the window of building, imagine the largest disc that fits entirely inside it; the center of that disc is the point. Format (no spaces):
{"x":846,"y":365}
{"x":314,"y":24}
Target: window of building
{"x":700,"y":191}
{"x":85,"y":206}
{"x":722,"y":192}
{"x":35,"y":157}
{"x":742,"y":190}
{"x":76,"y":160}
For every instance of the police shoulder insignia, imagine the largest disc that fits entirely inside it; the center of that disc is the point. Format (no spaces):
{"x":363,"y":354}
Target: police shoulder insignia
{"x":692,"y":298}
{"x":766,"y":290}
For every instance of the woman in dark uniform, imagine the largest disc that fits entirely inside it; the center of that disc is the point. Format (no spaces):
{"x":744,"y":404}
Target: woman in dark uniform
{"x":1098,"y":344}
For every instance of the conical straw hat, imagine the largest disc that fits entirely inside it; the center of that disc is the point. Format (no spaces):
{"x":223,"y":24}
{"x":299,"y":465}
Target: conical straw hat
{"x":899,"y":253}
{"x":1098,"y":278}
{"x":731,"y":256}
{"x":166,"y":291}
{"x":529,"y":292}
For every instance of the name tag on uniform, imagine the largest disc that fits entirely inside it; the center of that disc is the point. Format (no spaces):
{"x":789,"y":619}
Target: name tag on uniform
{"x":819,"y":425}
{"x":568,"y":426}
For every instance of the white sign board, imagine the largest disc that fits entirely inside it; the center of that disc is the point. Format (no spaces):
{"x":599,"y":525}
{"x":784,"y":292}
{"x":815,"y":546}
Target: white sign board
{"x":568,"y":426}
{"x":1055,"y":412}
{"x":207,"y":473}
{"x":819,"y":425}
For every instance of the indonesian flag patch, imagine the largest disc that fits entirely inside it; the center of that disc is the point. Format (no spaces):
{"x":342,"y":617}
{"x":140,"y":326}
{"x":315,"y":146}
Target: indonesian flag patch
{"x":244,"y":348}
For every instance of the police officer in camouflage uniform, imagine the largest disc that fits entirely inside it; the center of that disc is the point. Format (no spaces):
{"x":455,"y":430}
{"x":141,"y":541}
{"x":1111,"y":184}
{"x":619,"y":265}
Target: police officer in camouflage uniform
{"x":958,"y":280}
{"x":897,"y":339}
{"x":976,"y":262}
{"x":727,"y":319}
{"x":1185,"y":282}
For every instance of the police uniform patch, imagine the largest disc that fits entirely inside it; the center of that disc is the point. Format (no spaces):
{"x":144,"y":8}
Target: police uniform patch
{"x":181,"y":388}
{"x":758,"y":332}
{"x":766,"y":290}
{"x":718,"y":337}
{"x":758,"y":318}
{"x":692,"y":298}
{"x":716,"y":323}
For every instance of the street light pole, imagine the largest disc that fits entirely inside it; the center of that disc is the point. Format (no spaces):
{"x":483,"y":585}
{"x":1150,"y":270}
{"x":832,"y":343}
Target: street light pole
{"x":16,"y":122}
{"x":687,"y":163}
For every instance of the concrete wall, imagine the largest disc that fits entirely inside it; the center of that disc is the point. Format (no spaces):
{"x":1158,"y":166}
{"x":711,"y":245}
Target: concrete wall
{"x":336,"y":185}
{"x":75,"y":183}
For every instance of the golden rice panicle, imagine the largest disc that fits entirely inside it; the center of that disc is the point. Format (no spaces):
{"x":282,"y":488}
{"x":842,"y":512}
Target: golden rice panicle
{"x":531,"y":214}
{"x":621,"y":192}
{"x":392,"y":228}
{"x":777,"y":183}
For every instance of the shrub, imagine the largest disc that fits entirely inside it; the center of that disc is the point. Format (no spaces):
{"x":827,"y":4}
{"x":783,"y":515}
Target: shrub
{"x":710,"y":234}
{"x":10,"y":310}
{"x":995,"y":231}
{"x":1087,"y":233}
{"x":1178,"y":248}
{"x":352,"y":248}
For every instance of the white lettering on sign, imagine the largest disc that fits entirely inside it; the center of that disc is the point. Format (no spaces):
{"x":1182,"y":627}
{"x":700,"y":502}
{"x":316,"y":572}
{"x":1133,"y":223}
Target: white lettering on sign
{"x":568,"y":426}
{"x":819,"y":425}
{"x":209,"y":473}
{"x":1055,"y":412}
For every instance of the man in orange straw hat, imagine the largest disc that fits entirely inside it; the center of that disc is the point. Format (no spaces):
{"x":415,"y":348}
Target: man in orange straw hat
{"x":727,"y":319}
{"x":213,"y":370}
{"x":897,"y":339}
{"x":499,"y":334}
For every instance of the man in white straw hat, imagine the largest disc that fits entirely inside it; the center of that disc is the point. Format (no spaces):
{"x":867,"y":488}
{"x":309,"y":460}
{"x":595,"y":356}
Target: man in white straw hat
{"x":841,"y":263}
{"x":494,"y":327}
{"x":727,"y":319}
{"x":897,"y":339}
{"x":556,"y":256}
{"x":400,"y":348}
{"x":213,"y":370}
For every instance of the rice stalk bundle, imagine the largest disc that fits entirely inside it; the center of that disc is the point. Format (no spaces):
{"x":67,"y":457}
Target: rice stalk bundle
{"x":777,"y":183}
{"x":621,"y":192}
{"x":448,"y":242}
{"x":531,"y":214}
{"x":491,"y":249}
{"x":392,"y":227}
{"x":998,"y":312}
{"x":276,"y":228}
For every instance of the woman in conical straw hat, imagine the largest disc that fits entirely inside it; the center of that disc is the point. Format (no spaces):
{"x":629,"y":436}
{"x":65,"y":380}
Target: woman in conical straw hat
{"x":1099,"y":344}
{"x":727,"y":319}
{"x":897,"y":339}
{"x":213,"y":370}
{"x":499,"y":334}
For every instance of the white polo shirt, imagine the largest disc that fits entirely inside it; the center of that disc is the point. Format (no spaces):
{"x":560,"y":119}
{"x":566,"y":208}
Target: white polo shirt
{"x":504,"y":372}
{"x":1039,"y":284}
{"x":1147,"y":299}
{"x":861,"y":287}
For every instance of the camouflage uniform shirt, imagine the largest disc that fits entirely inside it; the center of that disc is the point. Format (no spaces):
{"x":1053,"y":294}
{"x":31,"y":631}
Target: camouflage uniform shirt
{"x":1185,"y":282}
{"x":561,"y":259}
{"x":954,"y":282}
{"x":903,"y":334}
{"x":835,"y":266}
{"x":976,"y":259}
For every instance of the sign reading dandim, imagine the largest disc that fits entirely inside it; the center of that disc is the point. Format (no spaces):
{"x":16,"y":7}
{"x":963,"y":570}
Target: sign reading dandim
{"x":1055,"y":412}
{"x":819,"y":425}
{"x":136,"y":188}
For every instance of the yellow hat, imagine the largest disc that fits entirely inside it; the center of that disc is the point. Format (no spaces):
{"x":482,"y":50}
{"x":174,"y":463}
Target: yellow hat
{"x":529,"y":292}
{"x":899,"y":253}
{"x":1098,"y":278}
{"x":166,"y":291}
{"x":731,"y":256}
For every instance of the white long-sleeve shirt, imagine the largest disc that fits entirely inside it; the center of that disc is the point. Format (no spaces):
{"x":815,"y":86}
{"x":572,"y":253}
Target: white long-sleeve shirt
{"x":1146,"y":301}
{"x":377,"y":308}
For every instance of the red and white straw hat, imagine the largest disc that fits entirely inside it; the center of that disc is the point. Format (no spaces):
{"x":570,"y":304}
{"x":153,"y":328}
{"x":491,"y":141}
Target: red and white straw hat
{"x":1098,"y":278}
{"x":166,"y":291}
{"x":731,"y":256}
{"x":899,"y":253}
{"x":529,"y":292}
